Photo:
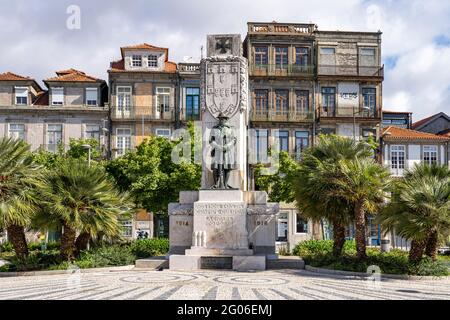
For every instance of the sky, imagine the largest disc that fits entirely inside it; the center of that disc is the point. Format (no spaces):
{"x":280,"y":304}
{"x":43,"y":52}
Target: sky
{"x":35,"y":40}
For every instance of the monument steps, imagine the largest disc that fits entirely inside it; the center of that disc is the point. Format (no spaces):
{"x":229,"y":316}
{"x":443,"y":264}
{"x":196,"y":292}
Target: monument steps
{"x":153,"y":263}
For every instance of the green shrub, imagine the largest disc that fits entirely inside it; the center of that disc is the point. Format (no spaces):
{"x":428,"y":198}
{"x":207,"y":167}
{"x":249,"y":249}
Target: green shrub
{"x":150,"y":247}
{"x":36,"y":260}
{"x":114,"y":255}
{"x":6,"y":247}
{"x":428,"y":267}
{"x":37,"y":246}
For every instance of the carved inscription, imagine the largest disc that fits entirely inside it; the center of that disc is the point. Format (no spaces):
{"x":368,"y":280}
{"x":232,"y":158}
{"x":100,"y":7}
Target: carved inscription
{"x":220,"y":209}
{"x":218,"y":221}
{"x":182,"y":223}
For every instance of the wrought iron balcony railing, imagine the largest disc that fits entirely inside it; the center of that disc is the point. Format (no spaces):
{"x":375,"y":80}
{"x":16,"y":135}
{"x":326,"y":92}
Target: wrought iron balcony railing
{"x":273,"y":27}
{"x":141,"y":113}
{"x":288,"y":116}
{"x":350,"y":70}
{"x":189,"y":68}
{"x":281,"y":70}
{"x":348,"y":112}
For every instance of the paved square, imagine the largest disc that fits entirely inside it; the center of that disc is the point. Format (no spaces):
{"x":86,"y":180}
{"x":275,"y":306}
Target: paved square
{"x":211,"y":285}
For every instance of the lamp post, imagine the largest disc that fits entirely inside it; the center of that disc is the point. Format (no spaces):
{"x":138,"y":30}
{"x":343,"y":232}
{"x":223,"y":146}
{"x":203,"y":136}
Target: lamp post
{"x":365,"y":108}
{"x":88,"y":147}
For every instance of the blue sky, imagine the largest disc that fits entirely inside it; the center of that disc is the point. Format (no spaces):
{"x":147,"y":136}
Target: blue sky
{"x":416,"y":36}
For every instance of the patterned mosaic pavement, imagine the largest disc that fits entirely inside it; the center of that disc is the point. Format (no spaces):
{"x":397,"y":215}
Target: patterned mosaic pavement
{"x":211,"y":285}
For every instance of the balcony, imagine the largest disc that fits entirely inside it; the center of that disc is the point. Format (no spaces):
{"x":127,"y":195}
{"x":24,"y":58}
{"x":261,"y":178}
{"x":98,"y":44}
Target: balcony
{"x":291,"y":116}
{"x":189,"y":68}
{"x":351,"y":71}
{"x":141,"y":113}
{"x":348,"y":112}
{"x":281,"y":28}
{"x":281,"y":71}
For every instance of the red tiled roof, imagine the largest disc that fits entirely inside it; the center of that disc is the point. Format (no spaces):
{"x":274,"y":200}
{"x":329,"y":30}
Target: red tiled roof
{"x":9,"y":76}
{"x":72,"y":75}
{"x":119,"y":66}
{"x":421,"y":122}
{"x":42,"y":99}
{"x":445,"y":133}
{"x":396,"y":133}
{"x":144,"y":46}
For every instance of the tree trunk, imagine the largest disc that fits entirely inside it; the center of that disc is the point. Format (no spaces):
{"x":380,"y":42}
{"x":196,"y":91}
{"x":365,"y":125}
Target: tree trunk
{"x":338,"y":238}
{"x":67,"y":250}
{"x":360,"y":232}
{"x":82,"y":242}
{"x":416,"y":250}
{"x":16,"y":235}
{"x":432,"y":245}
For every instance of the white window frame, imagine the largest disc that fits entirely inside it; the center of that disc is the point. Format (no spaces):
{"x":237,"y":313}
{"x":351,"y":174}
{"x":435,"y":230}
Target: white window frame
{"x":163,"y":135}
{"x":124,"y":106}
{"x":47,"y":138}
{"x":57,"y":102}
{"x":86,"y":131}
{"x":18,"y":94}
{"x":127,"y":225}
{"x":89,"y":101}
{"x":432,"y":150}
{"x":164,"y":92}
{"x":21,"y":132}
{"x":295,"y":224}
{"x":123,"y":146}
{"x":136,"y":61}
{"x":399,"y":150}
{"x":152,"y":61}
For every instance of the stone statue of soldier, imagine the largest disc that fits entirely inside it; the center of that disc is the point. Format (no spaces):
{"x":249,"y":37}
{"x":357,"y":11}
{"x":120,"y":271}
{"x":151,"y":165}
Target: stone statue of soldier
{"x":223,"y":154}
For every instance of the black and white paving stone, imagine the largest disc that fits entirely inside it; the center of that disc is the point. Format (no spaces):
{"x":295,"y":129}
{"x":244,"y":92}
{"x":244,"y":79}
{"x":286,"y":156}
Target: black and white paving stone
{"x":212,"y":285}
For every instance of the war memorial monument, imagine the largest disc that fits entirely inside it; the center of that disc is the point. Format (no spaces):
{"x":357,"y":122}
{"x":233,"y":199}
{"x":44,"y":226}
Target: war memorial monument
{"x":223,"y":225}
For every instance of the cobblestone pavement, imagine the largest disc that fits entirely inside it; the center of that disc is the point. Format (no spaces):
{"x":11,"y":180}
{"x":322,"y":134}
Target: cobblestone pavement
{"x":210,"y":285}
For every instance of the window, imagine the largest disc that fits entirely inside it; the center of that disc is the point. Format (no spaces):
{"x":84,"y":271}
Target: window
{"x":366,"y":133}
{"x":281,"y":102}
{"x":127,"y":228}
{"x":192,"y":103}
{"x":165,"y":133}
{"x":153,"y":61}
{"x":163,"y":97}
{"x":92,"y":132}
{"x":301,"y":56}
{"x":123,"y":140}
{"x":91,"y":96}
{"x":261,"y":102}
{"x":327,"y":56}
{"x":367,"y":56}
{"x":328,"y":131}
{"x":54,"y":136}
{"x":430,"y":154}
{"x":283,"y":140}
{"x":21,"y":95}
{"x":123,"y":98}
{"x":369,"y":100}
{"x":261,"y":56}
{"x":57,"y":96}
{"x":281,"y":57}
{"x":301,"y":142}
{"x":17,"y":131}
{"x":282,"y":226}
{"x":301,"y":225}
{"x":328,"y":100}
{"x":397,"y":159}
{"x":302,"y":102}
{"x":261,"y":145}
{"x":136,"y":60}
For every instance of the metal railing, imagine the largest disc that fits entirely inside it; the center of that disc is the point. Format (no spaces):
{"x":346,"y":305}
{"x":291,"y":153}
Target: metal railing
{"x":141,"y":113}
{"x":348,"y":112}
{"x":295,"y":28}
{"x":288,"y":116}
{"x":281,"y":70}
{"x":350,"y":70}
{"x":190,"y":68}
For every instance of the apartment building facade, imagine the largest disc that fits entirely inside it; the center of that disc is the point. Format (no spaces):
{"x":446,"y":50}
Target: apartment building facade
{"x":73,"y":106}
{"x":305,"y":82}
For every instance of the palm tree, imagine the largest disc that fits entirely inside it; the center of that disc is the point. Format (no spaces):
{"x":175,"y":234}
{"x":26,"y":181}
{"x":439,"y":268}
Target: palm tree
{"x":420,"y":209}
{"x":18,"y":178}
{"x":363,"y":184}
{"x":82,"y":200}
{"x":314,"y":188}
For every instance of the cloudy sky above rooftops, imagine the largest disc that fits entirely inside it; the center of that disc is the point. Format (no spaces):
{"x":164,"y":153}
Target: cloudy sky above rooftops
{"x":35,"y":40}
